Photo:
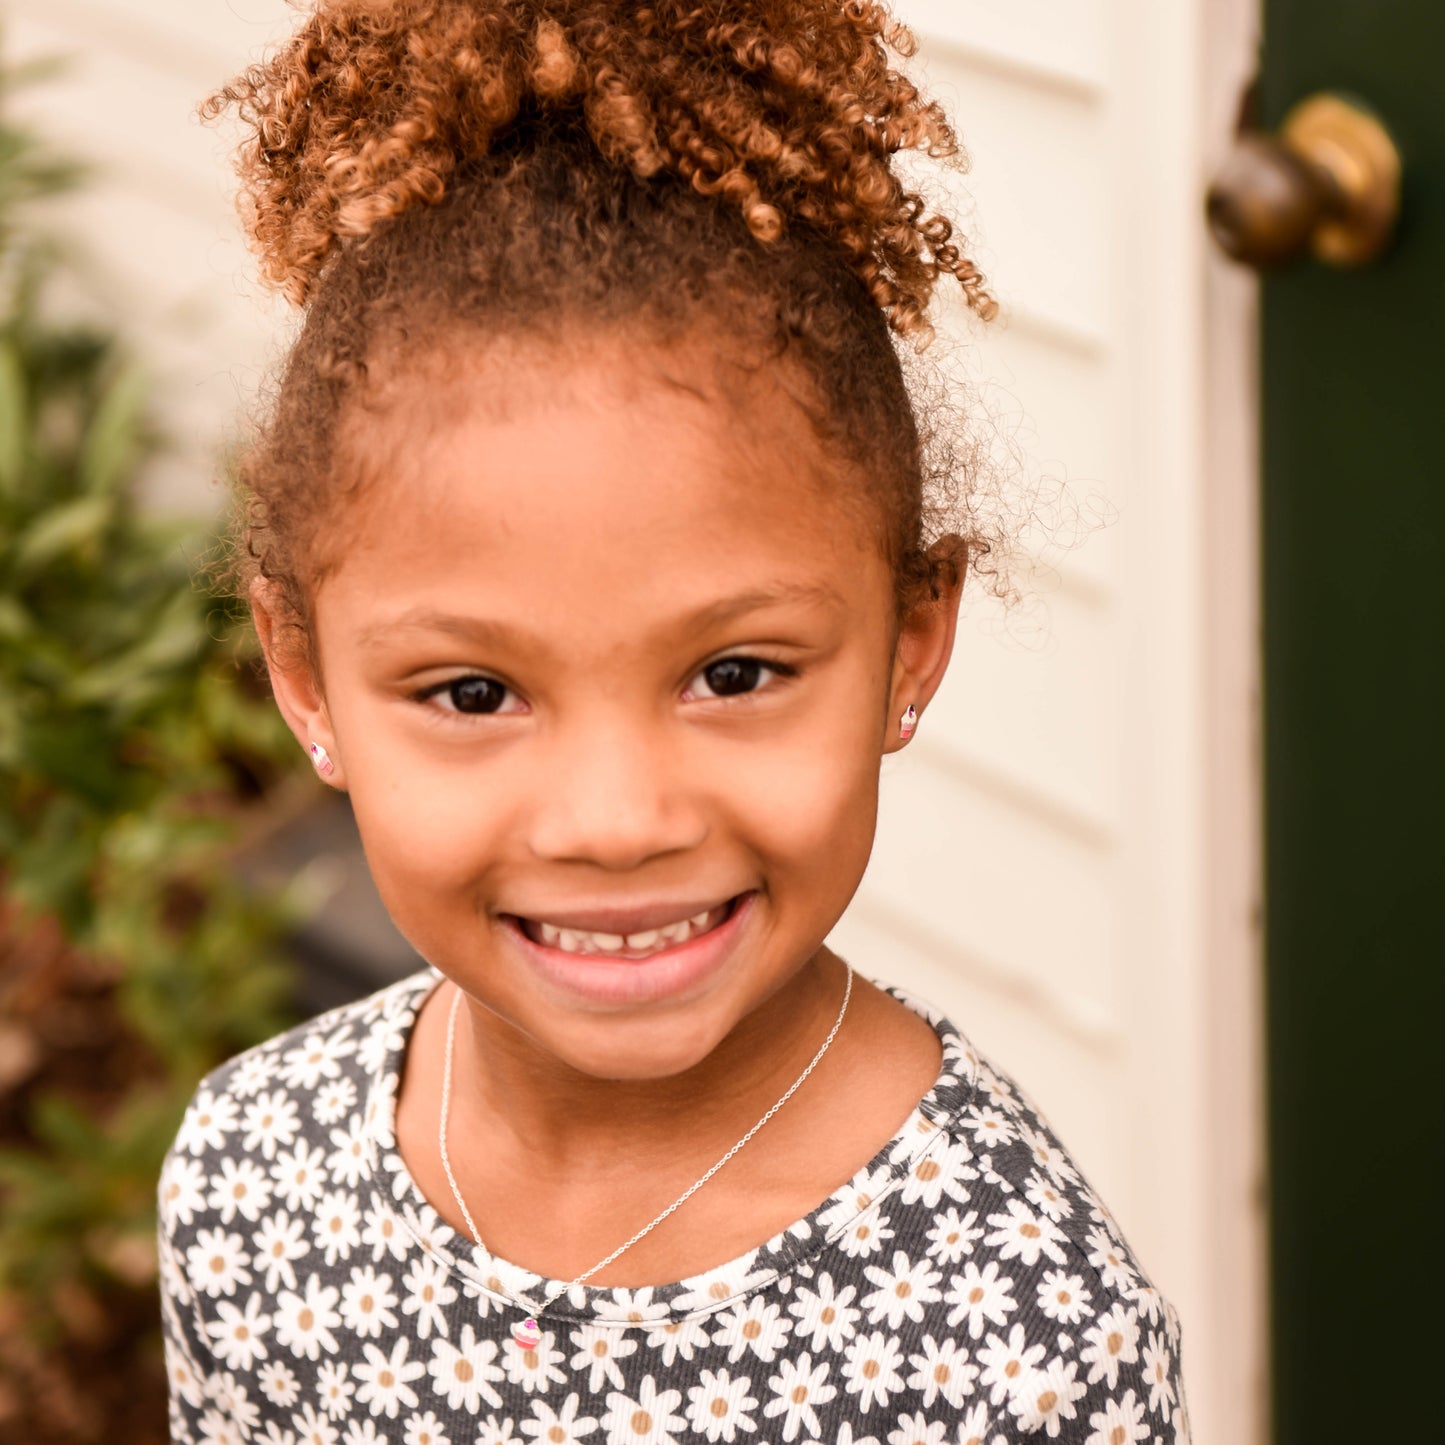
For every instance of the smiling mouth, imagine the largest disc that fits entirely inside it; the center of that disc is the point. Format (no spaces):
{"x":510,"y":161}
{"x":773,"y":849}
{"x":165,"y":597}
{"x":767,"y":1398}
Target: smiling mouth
{"x":638,"y":945}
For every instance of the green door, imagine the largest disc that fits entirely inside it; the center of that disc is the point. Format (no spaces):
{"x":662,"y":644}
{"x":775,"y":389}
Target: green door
{"x":1353,"y":376}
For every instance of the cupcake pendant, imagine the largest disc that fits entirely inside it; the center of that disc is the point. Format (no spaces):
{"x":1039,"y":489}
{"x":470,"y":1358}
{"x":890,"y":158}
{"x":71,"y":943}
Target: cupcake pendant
{"x":527,"y":1335}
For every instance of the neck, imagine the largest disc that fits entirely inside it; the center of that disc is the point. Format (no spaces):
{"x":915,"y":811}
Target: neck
{"x":502,"y":1082}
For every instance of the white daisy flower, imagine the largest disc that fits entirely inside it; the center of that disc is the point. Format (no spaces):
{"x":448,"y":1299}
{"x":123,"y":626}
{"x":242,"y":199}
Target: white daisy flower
{"x":538,"y":1369}
{"x":978,"y":1295}
{"x":270,"y":1120}
{"x":870,"y":1369}
{"x":216,"y":1262}
{"x":917,"y":1429}
{"x":1109,"y":1259}
{"x":428,"y":1293}
{"x":678,"y":1340}
{"x":942,"y":1370}
{"x":207,"y":1121}
{"x":279,"y":1242}
{"x":232,"y":1399}
{"x":825,"y":1315}
{"x":334,"y":1100}
{"x":385,"y":1380}
{"x":363,"y":1432}
{"x":316,"y":1058}
{"x":239,"y":1335}
{"x":1047,"y":1197}
{"x":845,"y":1436}
{"x":240,"y":1188}
{"x":1046,"y":1398}
{"x":1048,"y":1156}
{"x":973,"y":1427}
{"x":376,"y":1045}
{"x":902,"y":1292}
{"x":337,"y":1224}
{"x":719,"y":1405}
{"x":303,"y":1323}
{"x":598,"y":1351}
{"x":182,"y":1190}
{"x":1112,"y":1340}
{"x":300,"y":1176}
{"x":1120,"y":1422}
{"x":559,"y":1427}
{"x":942,"y":1171}
{"x":1023,"y":1235}
{"x":348,"y":1161}
{"x":647,"y":1419}
{"x":799,"y":1388}
{"x":1062,"y":1297}
{"x":252,"y":1073}
{"x":383,"y":1233}
{"x":1008,"y":1364}
{"x":278,"y":1383}
{"x":424,"y":1430}
{"x":951,"y":1237}
{"x":274,"y":1434}
{"x":217,"y":1429}
{"x":368,"y":1302}
{"x":854,"y":1198}
{"x":752,"y":1324}
{"x":185,"y":1381}
{"x":335,"y":1389}
{"x":465,"y":1372}
{"x":636,"y":1306}
{"x":1156,"y":1374}
{"x":990,"y":1128}
{"x":1149,"y":1301}
{"x":866,"y":1235}
{"x":498,"y":1432}
{"x":312,"y":1427}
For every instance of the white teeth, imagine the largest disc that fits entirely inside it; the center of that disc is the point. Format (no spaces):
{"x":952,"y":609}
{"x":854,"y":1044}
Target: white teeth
{"x":652,"y":940}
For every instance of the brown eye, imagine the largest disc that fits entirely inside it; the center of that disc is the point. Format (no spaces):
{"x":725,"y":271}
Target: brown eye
{"x":732,"y":675}
{"x":476,"y":694}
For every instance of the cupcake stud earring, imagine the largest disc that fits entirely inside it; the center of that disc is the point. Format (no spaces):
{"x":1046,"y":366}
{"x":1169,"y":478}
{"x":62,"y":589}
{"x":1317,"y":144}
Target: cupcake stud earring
{"x":908,"y":722}
{"x":322,"y":759}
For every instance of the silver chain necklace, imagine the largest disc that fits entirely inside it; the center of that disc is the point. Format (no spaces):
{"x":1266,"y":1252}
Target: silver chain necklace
{"x":528,"y":1334}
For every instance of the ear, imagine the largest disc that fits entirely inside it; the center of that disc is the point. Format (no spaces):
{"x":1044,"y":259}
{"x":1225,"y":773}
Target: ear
{"x":294,"y":681}
{"x":925,"y":641}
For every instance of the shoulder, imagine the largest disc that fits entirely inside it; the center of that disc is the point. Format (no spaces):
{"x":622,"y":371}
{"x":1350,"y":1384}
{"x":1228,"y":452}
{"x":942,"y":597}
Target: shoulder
{"x":1067,"y":1330}
{"x":279,"y":1102}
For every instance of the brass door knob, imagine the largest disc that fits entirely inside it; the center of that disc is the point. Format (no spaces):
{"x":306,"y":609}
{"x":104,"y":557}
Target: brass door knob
{"x":1330,"y":183}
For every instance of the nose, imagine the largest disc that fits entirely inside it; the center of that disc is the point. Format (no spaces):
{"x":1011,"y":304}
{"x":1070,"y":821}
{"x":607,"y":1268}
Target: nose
{"x":607,"y":796}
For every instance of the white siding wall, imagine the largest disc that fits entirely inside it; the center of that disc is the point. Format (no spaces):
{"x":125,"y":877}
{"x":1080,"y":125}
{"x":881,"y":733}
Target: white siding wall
{"x":1066,"y":857}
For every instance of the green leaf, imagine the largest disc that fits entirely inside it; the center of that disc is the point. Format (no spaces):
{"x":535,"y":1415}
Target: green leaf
{"x":113,"y":440}
{"x":13,"y":428}
{"x":67,"y":527}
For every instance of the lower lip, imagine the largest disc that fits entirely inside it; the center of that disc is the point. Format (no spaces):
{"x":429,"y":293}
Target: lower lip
{"x":672,"y":972}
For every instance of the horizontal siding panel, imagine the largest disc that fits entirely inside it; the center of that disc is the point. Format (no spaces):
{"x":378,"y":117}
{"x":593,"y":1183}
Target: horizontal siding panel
{"x":1058,"y":41}
{"x":1074,"y":1084}
{"x":1030,"y":203}
{"x":1035,"y":696}
{"x":997,"y":885}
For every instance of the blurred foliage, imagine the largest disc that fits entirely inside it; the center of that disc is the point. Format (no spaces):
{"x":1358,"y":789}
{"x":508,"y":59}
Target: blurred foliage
{"x":137,"y":748}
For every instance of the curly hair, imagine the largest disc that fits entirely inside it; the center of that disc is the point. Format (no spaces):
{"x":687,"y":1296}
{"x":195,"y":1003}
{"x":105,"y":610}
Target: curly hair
{"x":418,"y":170}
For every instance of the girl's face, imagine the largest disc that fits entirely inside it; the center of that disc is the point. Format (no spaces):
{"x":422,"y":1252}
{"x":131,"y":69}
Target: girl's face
{"x":608,"y":679}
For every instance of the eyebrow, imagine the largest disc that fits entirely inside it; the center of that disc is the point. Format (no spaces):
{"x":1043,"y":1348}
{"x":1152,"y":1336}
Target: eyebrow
{"x":711,"y":615}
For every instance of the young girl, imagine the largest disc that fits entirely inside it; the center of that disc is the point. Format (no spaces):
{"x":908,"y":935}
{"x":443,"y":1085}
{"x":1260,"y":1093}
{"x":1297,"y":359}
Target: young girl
{"x":595,"y":556}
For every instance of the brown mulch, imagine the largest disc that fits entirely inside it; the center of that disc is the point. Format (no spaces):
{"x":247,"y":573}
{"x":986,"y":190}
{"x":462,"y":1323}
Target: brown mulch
{"x":88,"y":1369}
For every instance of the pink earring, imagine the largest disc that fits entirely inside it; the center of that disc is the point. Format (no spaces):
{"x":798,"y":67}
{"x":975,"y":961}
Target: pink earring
{"x":322,"y":759}
{"x":908,"y":722}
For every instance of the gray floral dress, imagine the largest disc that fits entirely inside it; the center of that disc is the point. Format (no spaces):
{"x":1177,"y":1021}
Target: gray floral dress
{"x":966,"y":1287}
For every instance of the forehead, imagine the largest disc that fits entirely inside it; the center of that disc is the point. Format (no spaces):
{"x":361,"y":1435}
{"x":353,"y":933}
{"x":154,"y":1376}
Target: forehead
{"x":594,"y":493}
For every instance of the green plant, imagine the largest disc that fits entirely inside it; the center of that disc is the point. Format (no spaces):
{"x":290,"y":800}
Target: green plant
{"x":136,"y":749}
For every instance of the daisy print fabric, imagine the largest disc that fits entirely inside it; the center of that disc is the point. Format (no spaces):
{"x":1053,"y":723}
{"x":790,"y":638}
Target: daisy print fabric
{"x":966,"y":1287}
